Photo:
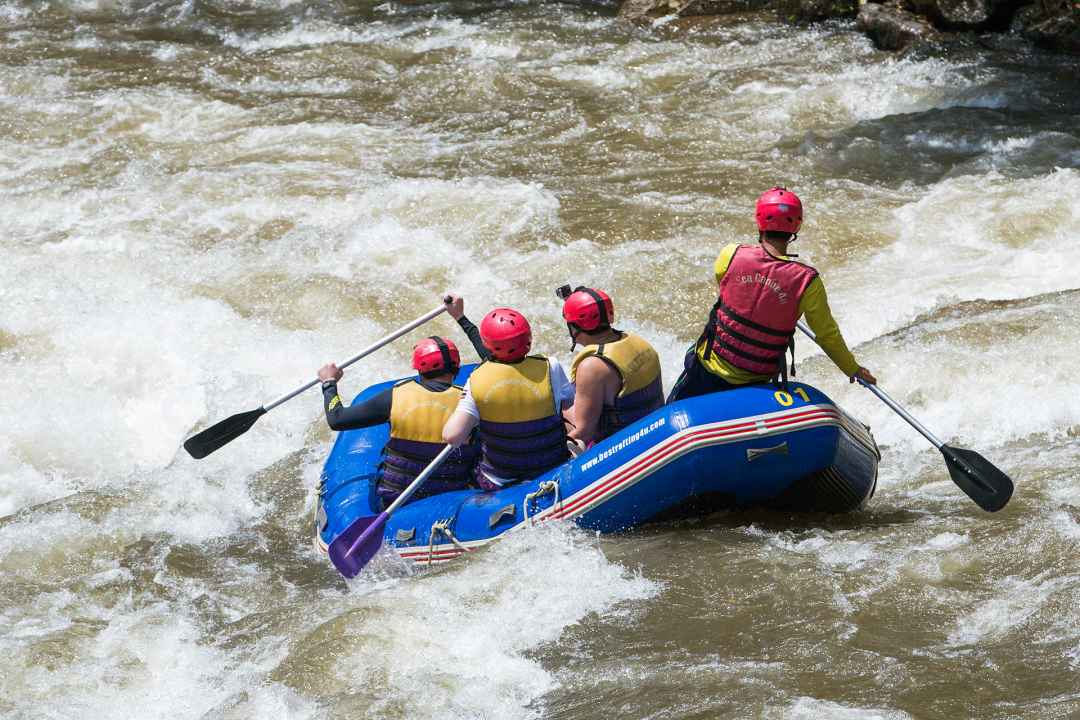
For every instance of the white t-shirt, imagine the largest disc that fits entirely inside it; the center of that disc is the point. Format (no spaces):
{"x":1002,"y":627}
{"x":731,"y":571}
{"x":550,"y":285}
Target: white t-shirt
{"x":561,"y":388}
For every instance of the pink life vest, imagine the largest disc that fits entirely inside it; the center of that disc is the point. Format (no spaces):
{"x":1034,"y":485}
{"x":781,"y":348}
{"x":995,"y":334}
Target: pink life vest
{"x":753,"y":321}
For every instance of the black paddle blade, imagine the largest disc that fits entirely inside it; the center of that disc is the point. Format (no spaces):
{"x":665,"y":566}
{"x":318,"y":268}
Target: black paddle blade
{"x":213,"y":437}
{"x":978,"y":477}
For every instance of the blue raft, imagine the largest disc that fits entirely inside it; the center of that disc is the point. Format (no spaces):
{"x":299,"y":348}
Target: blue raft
{"x":761,"y":446}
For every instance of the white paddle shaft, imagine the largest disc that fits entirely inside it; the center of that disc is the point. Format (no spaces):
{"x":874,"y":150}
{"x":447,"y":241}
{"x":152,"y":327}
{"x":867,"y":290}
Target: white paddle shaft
{"x":884,"y":397}
{"x":363,"y":353}
{"x":420,"y":479}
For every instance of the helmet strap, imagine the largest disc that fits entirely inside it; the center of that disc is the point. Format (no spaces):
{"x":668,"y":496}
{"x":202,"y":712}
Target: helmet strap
{"x":444,"y":350}
{"x":605,"y":321}
{"x":794,"y":236}
{"x":573,"y":330}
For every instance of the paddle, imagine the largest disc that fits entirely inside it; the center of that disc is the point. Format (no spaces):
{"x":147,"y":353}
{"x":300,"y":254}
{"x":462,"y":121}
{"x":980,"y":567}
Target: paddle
{"x":353,"y":549}
{"x":232,"y":427}
{"x":984,"y":483}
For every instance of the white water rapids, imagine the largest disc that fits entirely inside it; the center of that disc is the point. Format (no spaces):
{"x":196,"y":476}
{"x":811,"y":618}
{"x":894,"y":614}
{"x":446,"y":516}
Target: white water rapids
{"x":203,"y":201}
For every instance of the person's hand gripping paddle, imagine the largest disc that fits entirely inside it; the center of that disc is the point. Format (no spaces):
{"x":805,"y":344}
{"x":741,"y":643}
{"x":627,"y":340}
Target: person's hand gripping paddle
{"x":357,"y":544}
{"x":202,"y":444}
{"x":983,"y":482}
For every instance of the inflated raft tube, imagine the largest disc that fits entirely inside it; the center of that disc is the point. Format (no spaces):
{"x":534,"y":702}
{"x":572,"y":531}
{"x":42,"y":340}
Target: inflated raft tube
{"x":757,"y":446}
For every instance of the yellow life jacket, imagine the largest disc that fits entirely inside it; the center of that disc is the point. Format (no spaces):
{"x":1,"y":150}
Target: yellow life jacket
{"x":638,"y":366}
{"x":417,"y":416}
{"x":521,"y":431}
{"x":513,"y":392}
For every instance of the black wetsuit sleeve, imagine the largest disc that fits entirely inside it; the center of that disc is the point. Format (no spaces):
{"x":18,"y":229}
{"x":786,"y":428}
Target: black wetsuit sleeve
{"x":473,"y":333}
{"x":372,"y":411}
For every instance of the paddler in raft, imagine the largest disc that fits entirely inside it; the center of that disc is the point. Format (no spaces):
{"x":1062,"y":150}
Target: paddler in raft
{"x":416,"y":409}
{"x":516,"y":402}
{"x":617,"y":373}
{"x":762,"y":293}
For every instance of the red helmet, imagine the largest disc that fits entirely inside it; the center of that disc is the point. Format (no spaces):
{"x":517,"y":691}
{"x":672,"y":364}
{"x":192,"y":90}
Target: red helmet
{"x":779,"y":209}
{"x":589,"y":309}
{"x":506,"y":333}
{"x":434,"y":353}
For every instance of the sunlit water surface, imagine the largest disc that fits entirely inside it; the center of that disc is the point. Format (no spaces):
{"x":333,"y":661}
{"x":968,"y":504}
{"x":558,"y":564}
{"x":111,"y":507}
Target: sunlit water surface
{"x":203,"y":201}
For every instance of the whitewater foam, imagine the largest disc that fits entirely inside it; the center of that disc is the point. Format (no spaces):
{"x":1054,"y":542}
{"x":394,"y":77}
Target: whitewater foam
{"x":1016,"y":601}
{"x":191,"y":228}
{"x":464,"y":638}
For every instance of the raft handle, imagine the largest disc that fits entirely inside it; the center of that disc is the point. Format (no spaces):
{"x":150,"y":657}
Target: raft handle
{"x":546,"y":488}
{"x":753,"y":454}
{"x":496,"y":517}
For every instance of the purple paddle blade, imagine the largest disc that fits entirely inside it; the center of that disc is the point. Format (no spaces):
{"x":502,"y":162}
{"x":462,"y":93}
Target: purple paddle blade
{"x":354,"y":548}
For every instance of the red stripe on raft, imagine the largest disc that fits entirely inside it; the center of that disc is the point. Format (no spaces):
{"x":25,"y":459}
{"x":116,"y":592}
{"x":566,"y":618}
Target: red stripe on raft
{"x":422,"y":557}
{"x":436,"y":554}
{"x":639,"y":467}
{"x":664,"y":450}
{"x":673,"y":443}
{"x":679,"y":443}
{"x":434,"y":560}
{"x":783,"y":422}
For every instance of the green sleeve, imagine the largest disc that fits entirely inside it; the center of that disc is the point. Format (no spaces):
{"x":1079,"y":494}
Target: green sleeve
{"x":723,"y":260}
{"x":814,"y":304}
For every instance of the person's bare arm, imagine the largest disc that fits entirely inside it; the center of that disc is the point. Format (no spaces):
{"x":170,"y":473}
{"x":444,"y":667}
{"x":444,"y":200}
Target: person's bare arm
{"x":457,"y":428}
{"x":596,"y":382}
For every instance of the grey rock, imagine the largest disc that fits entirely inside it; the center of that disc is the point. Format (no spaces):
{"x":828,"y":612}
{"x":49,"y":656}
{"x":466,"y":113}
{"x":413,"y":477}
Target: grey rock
{"x":815,"y":10}
{"x":891,"y":24}
{"x":967,"y":14}
{"x":892,"y":28}
{"x":1051,"y":24}
{"x":639,"y":10}
{"x":643,"y":10}
{"x":953,"y":14}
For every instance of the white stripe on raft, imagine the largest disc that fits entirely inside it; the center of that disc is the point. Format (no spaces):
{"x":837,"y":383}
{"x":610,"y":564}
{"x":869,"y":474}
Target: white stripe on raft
{"x":675,"y":447}
{"x":638,"y":468}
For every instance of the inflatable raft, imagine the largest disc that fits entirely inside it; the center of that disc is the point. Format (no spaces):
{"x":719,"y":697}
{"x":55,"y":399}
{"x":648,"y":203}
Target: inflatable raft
{"x":761,"y":445}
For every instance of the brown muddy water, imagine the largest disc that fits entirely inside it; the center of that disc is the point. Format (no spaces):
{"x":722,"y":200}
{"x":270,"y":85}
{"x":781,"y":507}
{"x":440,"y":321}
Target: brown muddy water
{"x":203,"y":201}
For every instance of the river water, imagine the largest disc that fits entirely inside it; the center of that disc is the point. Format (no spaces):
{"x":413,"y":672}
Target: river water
{"x":202,"y":201}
